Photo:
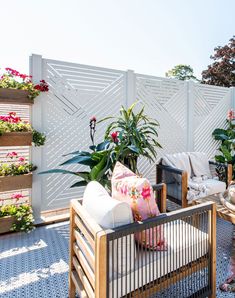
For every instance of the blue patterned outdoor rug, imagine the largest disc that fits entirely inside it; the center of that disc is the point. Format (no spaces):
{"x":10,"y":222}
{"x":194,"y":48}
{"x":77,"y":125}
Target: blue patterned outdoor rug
{"x":36,"y":265}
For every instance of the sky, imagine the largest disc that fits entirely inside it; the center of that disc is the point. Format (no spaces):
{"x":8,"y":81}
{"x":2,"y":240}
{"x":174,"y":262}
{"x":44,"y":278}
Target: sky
{"x":147,"y":36}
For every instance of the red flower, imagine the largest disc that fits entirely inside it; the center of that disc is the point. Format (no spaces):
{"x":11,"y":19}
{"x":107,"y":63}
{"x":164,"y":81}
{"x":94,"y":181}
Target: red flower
{"x":114,"y":136}
{"x":93,"y":119}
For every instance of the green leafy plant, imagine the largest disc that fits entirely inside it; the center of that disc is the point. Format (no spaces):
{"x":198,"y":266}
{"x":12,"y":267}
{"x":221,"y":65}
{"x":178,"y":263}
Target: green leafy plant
{"x":126,"y":138}
{"x":12,"y":123}
{"x":227,"y":141}
{"x":12,"y":79}
{"x":135,"y":134}
{"x":18,"y":166}
{"x":39,"y":138}
{"x":23,"y":214}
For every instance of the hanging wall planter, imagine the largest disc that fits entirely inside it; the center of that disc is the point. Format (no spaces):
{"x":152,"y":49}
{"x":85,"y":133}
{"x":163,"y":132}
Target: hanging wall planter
{"x":16,"y":139}
{"x":8,"y":183}
{"x":6,"y":223}
{"x":15,"y":96}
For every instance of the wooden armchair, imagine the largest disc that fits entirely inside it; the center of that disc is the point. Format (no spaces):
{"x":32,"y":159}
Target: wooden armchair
{"x":177,"y":189}
{"x":95,"y":254}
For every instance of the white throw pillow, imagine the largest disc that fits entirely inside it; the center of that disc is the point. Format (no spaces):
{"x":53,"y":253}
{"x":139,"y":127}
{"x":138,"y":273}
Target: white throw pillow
{"x":200,"y":164}
{"x":179,"y":161}
{"x":109,"y":214}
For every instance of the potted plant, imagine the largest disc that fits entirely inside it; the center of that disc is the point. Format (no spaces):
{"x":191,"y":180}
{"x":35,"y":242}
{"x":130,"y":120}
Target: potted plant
{"x":16,"y":216}
{"x":17,"y":174}
{"x":15,"y":132}
{"x":18,"y":88}
{"x":227,"y":143}
{"x":126,"y":138}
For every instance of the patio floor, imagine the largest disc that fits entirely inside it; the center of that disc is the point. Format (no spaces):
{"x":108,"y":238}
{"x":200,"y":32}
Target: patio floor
{"x":36,"y":265}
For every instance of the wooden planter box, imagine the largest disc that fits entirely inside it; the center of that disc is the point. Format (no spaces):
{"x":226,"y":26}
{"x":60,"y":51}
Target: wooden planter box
{"x":8,"y":183}
{"x":6,"y":223}
{"x":16,"y":139}
{"x":15,"y":96}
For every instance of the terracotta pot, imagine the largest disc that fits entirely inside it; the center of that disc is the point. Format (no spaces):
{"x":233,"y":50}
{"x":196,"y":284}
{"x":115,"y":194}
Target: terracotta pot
{"x":6,"y":223}
{"x":8,"y":183}
{"x":16,"y":139}
{"x":15,"y":96}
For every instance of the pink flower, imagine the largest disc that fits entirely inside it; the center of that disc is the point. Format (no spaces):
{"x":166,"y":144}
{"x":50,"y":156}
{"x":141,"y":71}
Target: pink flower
{"x":12,"y":154}
{"x":146,"y":192}
{"x":21,"y":159}
{"x":114,"y":136}
{"x":17,"y":196}
{"x":230,"y":115}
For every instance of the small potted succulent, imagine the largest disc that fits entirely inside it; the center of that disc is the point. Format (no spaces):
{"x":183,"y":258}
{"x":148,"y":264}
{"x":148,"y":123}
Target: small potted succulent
{"x":15,"y":132}
{"x":15,"y":174}
{"x":17,"y":88}
{"x":17,"y":216}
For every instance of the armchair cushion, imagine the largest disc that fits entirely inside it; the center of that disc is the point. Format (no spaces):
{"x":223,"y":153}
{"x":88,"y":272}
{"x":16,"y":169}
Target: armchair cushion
{"x":138,"y":193}
{"x":200,"y":164}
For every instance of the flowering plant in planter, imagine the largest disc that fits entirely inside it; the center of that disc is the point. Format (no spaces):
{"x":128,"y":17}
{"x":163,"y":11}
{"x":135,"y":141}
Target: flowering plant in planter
{"x":13,"y":123}
{"x":128,"y":137}
{"x":22,"y":214}
{"x":18,"y":166}
{"x":12,"y":79}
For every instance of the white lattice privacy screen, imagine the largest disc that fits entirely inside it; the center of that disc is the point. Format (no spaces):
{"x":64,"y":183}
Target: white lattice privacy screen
{"x":187,"y":113}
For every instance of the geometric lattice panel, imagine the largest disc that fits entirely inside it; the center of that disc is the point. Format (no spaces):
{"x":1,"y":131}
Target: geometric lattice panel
{"x":187,"y":113}
{"x":211,"y":104}
{"x":77,"y":92}
{"x":164,"y":100}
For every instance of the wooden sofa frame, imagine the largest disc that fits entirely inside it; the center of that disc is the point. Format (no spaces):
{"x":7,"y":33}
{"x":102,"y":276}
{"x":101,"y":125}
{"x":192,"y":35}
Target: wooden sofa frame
{"x":89,"y":251}
{"x":184,"y":180}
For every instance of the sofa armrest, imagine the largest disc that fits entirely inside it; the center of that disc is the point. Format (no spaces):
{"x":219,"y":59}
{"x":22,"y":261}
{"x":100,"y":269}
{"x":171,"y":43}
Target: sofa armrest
{"x":184,"y":181}
{"x":170,"y":169}
{"x":161,"y":187}
{"x":228,"y":168}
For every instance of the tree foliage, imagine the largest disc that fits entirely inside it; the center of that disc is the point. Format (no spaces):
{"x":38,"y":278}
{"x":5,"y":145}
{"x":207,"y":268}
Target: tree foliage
{"x":181,"y":72}
{"x":222,"y":71}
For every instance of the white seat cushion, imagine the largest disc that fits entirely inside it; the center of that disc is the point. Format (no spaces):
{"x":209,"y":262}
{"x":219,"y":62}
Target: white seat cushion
{"x":185,"y":244}
{"x":110,"y":213}
{"x":214,"y":186}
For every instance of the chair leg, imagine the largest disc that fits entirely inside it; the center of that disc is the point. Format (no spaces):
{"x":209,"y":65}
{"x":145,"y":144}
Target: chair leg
{"x":184,"y":186}
{"x":72,"y":288}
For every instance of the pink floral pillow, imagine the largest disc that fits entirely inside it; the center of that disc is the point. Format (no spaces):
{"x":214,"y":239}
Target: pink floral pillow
{"x":137,"y":191}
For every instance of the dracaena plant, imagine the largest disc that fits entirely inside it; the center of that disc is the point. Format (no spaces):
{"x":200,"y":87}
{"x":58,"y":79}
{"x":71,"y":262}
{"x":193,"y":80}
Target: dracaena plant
{"x":135,"y":135}
{"x":227,"y":141}
{"x":126,"y":138}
